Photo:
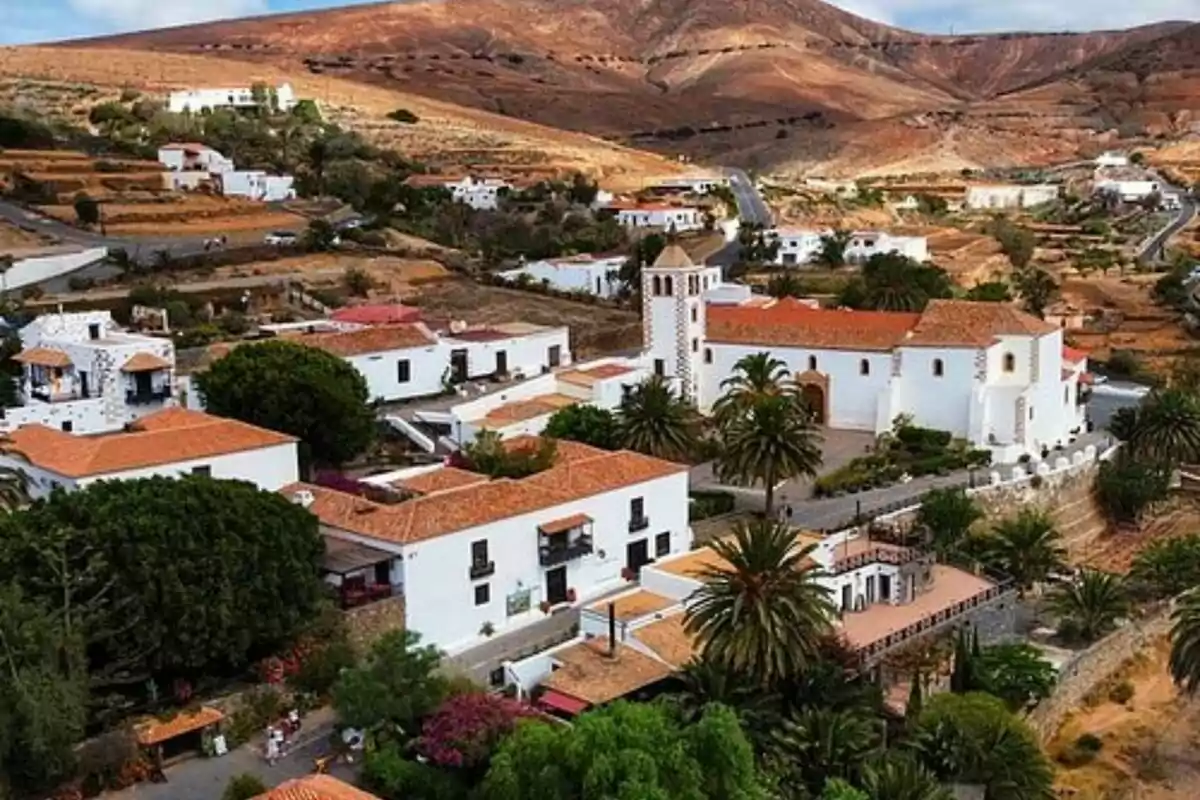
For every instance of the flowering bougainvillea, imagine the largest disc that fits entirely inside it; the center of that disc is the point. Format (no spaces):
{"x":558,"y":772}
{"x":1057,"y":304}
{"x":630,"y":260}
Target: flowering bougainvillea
{"x":467,"y":727}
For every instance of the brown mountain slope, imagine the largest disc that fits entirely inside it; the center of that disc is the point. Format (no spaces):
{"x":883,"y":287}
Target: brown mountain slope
{"x":702,"y":77}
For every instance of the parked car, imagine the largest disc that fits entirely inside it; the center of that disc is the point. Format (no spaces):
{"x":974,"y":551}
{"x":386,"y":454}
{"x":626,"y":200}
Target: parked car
{"x":280,"y":238}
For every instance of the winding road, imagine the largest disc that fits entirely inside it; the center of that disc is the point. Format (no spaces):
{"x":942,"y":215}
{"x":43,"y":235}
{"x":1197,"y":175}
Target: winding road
{"x":751,"y":208}
{"x":1154,"y":250}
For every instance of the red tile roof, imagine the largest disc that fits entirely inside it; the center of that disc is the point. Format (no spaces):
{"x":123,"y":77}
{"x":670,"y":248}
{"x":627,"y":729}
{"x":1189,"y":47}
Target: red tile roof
{"x":166,"y":437}
{"x":316,"y":787}
{"x":440,"y":480}
{"x":376,"y":339}
{"x":482,"y":503}
{"x":1072,"y":355}
{"x":44,"y":357}
{"x":790,"y":323}
{"x":961,"y":323}
{"x":145,"y":362}
{"x":155,"y":731}
{"x":377,"y":314}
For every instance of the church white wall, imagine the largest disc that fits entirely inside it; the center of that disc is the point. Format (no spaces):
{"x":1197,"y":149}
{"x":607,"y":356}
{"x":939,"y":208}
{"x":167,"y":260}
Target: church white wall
{"x":937,"y":402}
{"x":1052,"y":419}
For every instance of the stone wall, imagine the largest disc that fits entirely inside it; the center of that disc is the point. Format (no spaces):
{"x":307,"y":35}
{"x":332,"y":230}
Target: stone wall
{"x":366,"y":624}
{"x":1090,"y":668}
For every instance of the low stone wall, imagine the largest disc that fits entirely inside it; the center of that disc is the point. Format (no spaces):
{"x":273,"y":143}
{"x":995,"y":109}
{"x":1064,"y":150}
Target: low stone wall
{"x":1090,"y":668}
{"x":366,"y":624}
{"x":706,"y":530}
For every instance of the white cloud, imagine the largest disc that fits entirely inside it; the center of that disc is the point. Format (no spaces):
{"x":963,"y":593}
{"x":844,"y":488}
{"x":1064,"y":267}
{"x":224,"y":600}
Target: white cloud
{"x":938,"y":16}
{"x":127,"y":15}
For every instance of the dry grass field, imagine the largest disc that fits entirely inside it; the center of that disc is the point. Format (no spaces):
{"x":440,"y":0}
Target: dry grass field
{"x":71,"y":81}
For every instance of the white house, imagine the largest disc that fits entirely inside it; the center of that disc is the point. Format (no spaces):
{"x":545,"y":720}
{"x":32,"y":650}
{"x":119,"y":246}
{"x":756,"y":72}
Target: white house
{"x":665,"y":217}
{"x":1111,"y":158}
{"x":801,"y":246}
{"x":1004,"y":196}
{"x":256,"y":185}
{"x":1129,"y":188}
{"x":171,"y":442}
{"x":472,"y":557}
{"x":81,"y":374}
{"x":524,"y":409}
{"x":582,"y":273}
{"x":697,"y":184}
{"x":986,"y":372}
{"x":888,"y":597}
{"x":193,"y":157}
{"x":480,"y":193}
{"x":196,"y":100}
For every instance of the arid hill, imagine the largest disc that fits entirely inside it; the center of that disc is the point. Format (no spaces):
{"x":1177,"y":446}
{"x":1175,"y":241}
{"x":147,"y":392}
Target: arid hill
{"x":766,"y":80}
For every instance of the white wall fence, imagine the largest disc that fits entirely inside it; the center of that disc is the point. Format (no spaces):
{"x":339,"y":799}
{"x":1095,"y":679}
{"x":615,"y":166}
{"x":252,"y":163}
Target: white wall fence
{"x":34,"y":270}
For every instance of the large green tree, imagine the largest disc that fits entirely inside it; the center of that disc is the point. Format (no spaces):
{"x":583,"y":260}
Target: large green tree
{"x":394,"y":687}
{"x":654,"y":420}
{"x":754,"y":377}
{"x":817,"y":745}
{"x":1167,"y":427}
{"x":892,"y":282}
{"x":168,"y":577}
{"x":1016,"y":673}
{"x":585,"y":423}
{"x":627,"y":750}
{"x":946,"y":517}
{"x":771,"y":441}
{"x":1026,"y":547}
{"x":1127,"y":487}
{"x":762,"y":611}
{"x":288,"y":387}
{"x":973,"y":739}
{"x":42,"y":699}
{"x":1091,"y":604}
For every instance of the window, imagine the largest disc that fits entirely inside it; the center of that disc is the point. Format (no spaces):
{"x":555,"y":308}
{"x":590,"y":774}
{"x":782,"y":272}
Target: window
{"x":403,"y":371}
{"x":708,"y":355}
{"x":554,"y":355}
{"x":660,"y":368}
{"x":662,"y":544}
{"x":479,"y":552}
{"x":668,"y":286}
{"x":695,"y":345}
{"x":1031,"y":412}
{"x":483,"y":594}
{"x":812,"y":363}
{"x":204,"y":470}
{"x":637,"y":515}
{"x":657,"y":286}
{"x":695,"y":314}
{"x":1010,"y":362}
{"x":939,"y":368}
{"x":864,"y":367}
{"x":67,"y":426}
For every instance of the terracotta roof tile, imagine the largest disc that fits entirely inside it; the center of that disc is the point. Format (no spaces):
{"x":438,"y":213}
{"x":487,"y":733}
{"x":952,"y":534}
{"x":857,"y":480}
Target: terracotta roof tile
{"x":155,"y":731}
{"x":564,"y":524}
{"x":672,"y":256}
{"x":482,"y":503}
{"x":440,"y":480}
{"x":587,"y":672}
{"x":960,"y":323}
{"x":790,"y":323}
{"x":169,"y":436}
{"x":1072,"y":355}
{"x":589,"y":377}
{"x":44,"y":357}
{"x":637,"y":604}
{"x":145,"y":362}
{"x":521,"y":410}
{"x":668,"y":640}
{"x":375,"y":339}
{"x":565,"y":450}
{"x":316,"y":787}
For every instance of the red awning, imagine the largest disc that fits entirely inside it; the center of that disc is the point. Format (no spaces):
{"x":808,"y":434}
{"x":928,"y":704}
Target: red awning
{"x":557,"y":701}
{"x":564,"y":524}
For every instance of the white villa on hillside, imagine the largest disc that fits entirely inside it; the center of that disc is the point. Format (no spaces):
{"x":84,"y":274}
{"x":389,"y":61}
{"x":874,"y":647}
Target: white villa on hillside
{"x":192,"y":166}
{"x":473,"y":557}
{"x":801,"y":246}
{"x":986,"y":372}
{"x":481,"y":194}
{"x":660,"y":216}
{"x":582,"y":273}
{"x":1111,"y":158}
{"x":1129,"y":185}
{"x":196,"y":100}
{"x":1005,"y":196}
{"x":171,"y":442}
{"x":888,"y":597}
{"x":81,"y":374}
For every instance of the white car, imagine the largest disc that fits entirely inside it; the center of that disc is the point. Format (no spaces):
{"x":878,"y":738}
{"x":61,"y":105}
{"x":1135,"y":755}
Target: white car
{"x":280,"y":238}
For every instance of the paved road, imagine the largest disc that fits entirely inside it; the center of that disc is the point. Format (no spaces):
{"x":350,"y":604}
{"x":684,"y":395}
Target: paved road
{"x":751,"y":208}
{"x":1154,"y":249}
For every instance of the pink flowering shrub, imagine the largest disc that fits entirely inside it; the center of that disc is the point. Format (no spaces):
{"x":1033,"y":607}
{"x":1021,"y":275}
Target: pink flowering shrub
{"x":466,"y":728}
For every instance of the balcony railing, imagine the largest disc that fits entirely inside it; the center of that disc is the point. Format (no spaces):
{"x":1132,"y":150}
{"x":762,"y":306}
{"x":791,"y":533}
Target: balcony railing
{"x":47,"y":395}
{"x":876,"y":555}
{"x":549,"y":555}
{"x":639,"y":524}
{"x":355,"y":596}
{"x":482,"y":570}
{"x":136,"y":398}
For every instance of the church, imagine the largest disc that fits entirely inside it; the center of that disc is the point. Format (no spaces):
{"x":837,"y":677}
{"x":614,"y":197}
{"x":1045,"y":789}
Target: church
{"x":987,"y":372}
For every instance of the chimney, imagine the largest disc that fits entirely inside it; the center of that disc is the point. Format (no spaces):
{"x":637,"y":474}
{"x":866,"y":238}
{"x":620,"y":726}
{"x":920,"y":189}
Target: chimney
{"x":612,"y":630}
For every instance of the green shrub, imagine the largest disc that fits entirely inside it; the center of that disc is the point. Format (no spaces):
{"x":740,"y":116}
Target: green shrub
{"x":1121,"y":693}
{"x":388,"y":772}
{"x":244,"y":787}
{"x":709,"y":504}
{"x":404,"y":115}
{"x":1090,"y":743}
{"x":321,"y":670}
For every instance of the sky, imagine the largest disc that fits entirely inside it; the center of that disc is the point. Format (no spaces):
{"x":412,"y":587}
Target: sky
{"x":29,"y":21}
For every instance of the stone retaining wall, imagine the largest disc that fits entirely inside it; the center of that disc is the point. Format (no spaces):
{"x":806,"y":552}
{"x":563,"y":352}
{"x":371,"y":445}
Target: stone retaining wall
{"x":1090,"y":668}
{"x":366,"y":624}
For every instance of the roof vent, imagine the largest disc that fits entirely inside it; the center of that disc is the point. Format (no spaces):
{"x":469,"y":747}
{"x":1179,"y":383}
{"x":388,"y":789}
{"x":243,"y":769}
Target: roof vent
{"x":303,"y":498}
{"x":458,"y":326}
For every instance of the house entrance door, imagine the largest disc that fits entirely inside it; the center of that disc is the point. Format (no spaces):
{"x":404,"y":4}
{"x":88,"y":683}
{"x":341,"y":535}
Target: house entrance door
{"x":637,"y":555}
{"x":556,"y":585}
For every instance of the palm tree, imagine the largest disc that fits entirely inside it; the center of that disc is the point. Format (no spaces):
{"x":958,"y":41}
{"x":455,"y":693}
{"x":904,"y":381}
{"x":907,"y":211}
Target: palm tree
{"x":1168,"y":427}
{"x":653,"y":420}
{"x":705,"y":682}
{"x":14,"y":482}
{"x":1185,"y":642}
{"x":1123,"y":423}
{"x":1025,"y":547}
{"x":1092,"y":603}
{"x":773,"y":440}
{"x":946,"y":517}
{"x":898,"y":776}
{"x":833,"y":249}
{"x":761,"y":612}
{"x":818,"y":745}
{"x":785,"y":284}
{"x":754,"y":376}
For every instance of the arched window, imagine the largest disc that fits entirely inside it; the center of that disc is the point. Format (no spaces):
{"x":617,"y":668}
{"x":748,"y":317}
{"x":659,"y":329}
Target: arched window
{"x":939,"y":369}
{"x":668,"y":286}
{"x":812,"y":363}
{"x":657,"y":286}
{"x":1010,"y":362}
{"x":864,"y":367}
